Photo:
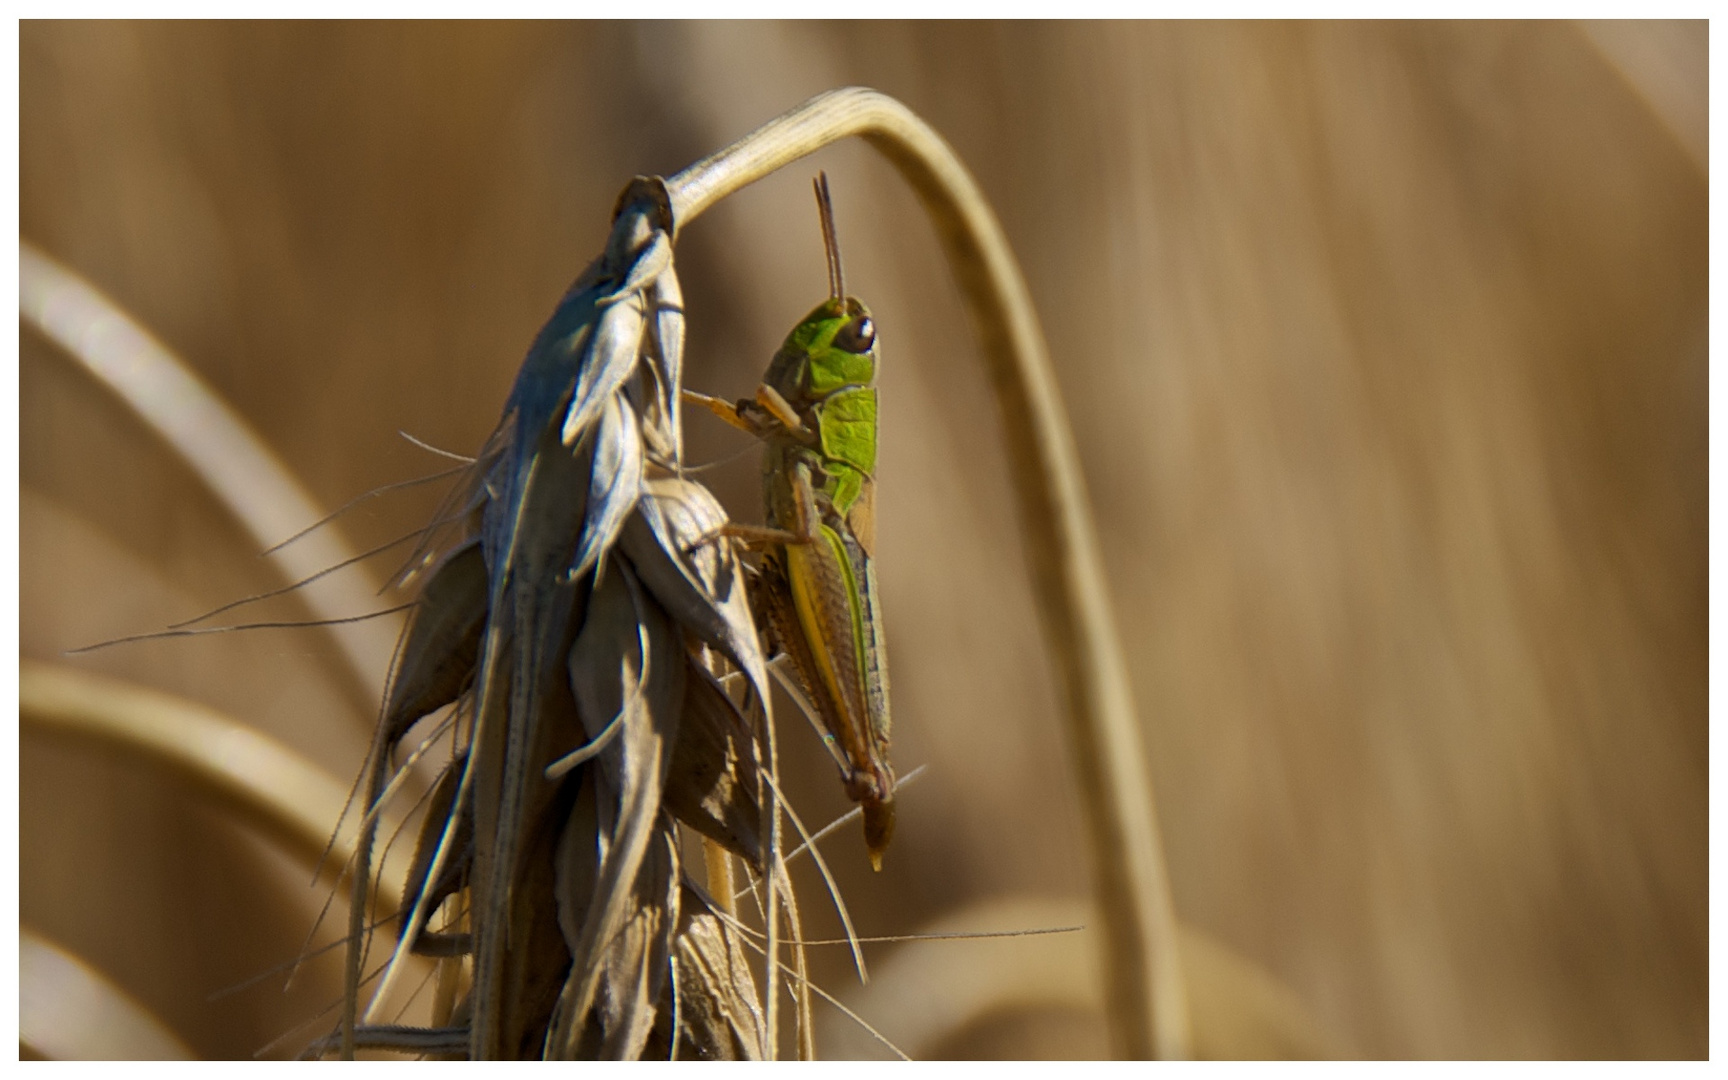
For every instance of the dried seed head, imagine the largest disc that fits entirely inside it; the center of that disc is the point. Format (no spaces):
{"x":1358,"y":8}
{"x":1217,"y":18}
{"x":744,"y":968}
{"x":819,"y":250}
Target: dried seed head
{"x":586,"y":579}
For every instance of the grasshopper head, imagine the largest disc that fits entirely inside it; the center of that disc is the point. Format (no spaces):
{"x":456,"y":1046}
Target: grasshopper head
{"x":835,"y":345}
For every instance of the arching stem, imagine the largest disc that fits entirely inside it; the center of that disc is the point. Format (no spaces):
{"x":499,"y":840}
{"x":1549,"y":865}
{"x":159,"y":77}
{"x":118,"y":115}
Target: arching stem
{"x":1145,"y":996}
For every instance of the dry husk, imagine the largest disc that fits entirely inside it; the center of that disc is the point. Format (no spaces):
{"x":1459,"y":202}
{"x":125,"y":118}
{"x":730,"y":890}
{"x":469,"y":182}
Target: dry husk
{"x":579,"y":619}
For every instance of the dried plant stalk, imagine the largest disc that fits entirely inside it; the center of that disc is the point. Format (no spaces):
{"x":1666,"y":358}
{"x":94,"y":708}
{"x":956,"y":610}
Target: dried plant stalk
{"x":69,"y":1011}
{"x":258,"y":780}
{"x":237,"y":465}
{"x":292,"y":800}
{"x":962,"y":975}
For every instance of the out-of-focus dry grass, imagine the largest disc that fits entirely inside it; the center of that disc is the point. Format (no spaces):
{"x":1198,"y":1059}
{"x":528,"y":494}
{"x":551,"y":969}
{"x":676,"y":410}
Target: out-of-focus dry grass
{"x":1385,"y":346}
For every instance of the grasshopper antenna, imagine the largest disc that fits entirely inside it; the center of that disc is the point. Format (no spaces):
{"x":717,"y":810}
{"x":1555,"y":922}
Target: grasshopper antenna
{"x":830,"y":243}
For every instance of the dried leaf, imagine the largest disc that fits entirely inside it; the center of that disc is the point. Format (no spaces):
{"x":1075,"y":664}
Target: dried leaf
{"x":617,"y":342}
{"x":522,"y":704}
{"x":443,"y":643}
{"x":614,"y":485}
{"x":578,"y":857}
{"x":712,"y":784}
{"x":666,"y":301}
{"x":635,"y":962}
{"x":627,"y":661}
{"x":537,"y":962}
{"x":719,"y":1017}
{"x":673,"y":541}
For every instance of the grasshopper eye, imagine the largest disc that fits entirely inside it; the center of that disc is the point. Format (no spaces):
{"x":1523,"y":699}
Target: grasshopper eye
{"x":857,"y":336}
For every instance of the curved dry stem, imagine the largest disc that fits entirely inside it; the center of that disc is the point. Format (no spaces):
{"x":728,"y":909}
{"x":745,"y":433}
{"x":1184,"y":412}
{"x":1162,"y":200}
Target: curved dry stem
{"x":1146,"y":999}
{"x":219,"y":446}
{"x":925,"y":995}
{"x":70,"y":1011}
{"x":290,"y":799}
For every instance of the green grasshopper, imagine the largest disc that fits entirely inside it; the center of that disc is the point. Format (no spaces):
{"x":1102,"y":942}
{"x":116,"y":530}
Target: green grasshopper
{"x":816,"y":412}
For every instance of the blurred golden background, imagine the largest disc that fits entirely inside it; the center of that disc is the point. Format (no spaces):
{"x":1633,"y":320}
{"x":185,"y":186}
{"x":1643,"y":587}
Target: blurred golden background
{"x":1385,"y":347}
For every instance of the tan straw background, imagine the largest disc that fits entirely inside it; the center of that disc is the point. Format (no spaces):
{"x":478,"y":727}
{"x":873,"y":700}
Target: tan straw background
{"x":1385,"y":349}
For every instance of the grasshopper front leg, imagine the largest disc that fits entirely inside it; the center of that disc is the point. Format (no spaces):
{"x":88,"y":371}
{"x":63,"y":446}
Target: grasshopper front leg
{"x":760,"y":416}
{"x":720,"y":407}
